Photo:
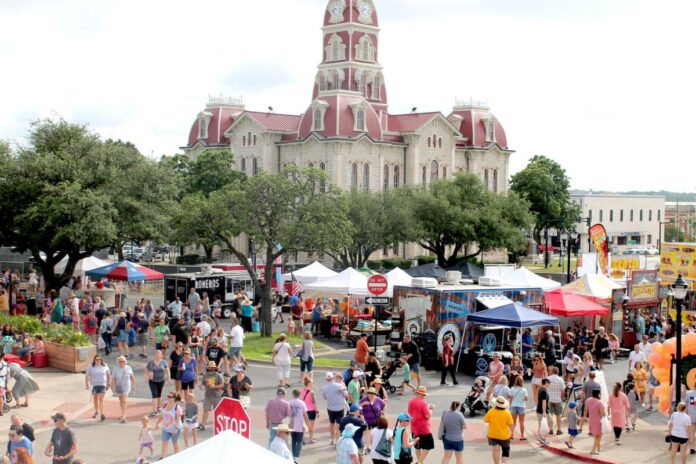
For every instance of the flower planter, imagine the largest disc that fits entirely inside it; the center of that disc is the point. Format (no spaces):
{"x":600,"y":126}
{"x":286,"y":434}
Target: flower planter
{"x":69,"y":358}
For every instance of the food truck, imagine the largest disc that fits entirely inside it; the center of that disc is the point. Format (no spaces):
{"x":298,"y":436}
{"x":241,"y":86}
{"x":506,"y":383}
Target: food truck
{"x":214,"y":282}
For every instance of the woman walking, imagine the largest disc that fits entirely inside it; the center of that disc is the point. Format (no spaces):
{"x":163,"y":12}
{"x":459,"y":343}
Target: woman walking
{"x":299,"y":421}
{"x":451,"y":433}
{"x":372,"y":408}
{"x":307,"y":358}
{"x":518,"y":405}
{"x":594,"y":412}
{"x":56,"y":309}
{"x":641,"y":377}
{"x":448,"y":361}
{"x":282,"y":358}
{"x":310,"y":401}
{"x":539,"y":372}
{"x":24,"y":385}
{"x":121,"y":333}
{"x":383,"y":436}
{"x":156,"y":374}
{"x":188,"y":369}
{"x":516,"y":369}
{"x":175,"y":358}
{"x":99,"y":377}
{"x":600,"y":346}
{"x":403,"y":446}
{"x":106,"y":329}
{"x":618,"y":406}
{"x":171,"y":418}
{"x":680,"y":429}
{"x":499,"y":421}
{"x":122,"y":381}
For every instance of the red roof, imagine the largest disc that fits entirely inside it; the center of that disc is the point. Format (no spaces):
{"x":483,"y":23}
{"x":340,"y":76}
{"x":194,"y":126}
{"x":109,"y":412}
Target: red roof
{"x":339,"y":111}
{"x":472,"y":127}
{"x":276,"y":122}
{"x":222,"y":118}
{"x":409,"y":122}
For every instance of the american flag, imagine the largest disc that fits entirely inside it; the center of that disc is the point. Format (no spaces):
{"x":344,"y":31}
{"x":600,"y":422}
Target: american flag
{"x":296,"y":285}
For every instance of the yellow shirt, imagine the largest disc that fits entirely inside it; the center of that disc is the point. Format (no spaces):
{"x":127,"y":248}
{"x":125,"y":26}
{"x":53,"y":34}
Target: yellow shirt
{"x":499,"y":422}
{"x":4,"y":302}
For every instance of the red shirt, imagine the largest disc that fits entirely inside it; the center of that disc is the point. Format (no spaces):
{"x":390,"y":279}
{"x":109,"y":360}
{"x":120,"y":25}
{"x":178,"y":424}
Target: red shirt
{"x":361,"y":351}
{"x":88,"y":329}
{"x":420,"y":416}
{"x":447,"y":355}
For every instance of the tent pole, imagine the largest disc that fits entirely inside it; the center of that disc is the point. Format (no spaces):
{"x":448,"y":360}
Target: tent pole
{"x":461,"y":345}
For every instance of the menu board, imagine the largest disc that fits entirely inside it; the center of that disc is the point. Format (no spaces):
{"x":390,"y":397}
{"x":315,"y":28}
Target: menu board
{"x":678,"y":258}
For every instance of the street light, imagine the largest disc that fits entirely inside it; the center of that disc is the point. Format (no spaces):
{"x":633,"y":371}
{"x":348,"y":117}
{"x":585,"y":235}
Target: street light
{"x":679,"y":288}
{"x":569,"y":246}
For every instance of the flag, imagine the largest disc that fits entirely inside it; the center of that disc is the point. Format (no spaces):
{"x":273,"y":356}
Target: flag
{"x":296,"y":285}
{"x":599,"y":237}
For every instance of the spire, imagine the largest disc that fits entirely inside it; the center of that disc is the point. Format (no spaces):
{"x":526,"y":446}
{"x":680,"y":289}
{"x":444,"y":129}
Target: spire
{"x":350,"y":52}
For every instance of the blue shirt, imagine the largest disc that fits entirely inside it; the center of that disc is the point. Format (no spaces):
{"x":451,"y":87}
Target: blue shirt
{"x":640,"y":322}
{"x":175,"y":306}
{"x":247,"y":310}
{"x":23,"y":443}
{"x":527,"y":339}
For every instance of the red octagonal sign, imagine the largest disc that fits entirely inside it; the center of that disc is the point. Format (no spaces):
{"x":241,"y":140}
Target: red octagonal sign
{"x":230,"y":415}
{"x":377,"y":284}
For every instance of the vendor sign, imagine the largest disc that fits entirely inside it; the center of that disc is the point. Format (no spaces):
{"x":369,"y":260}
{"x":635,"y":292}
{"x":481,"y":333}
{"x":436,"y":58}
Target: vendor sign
{"x":678,"y":258}
{"x":599,"y":237}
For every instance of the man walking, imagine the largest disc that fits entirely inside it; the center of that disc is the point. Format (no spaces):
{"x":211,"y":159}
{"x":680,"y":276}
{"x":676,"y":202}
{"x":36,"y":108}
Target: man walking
{"x":279,"y":443}
{"x":63,"y":446}
{"x":335,"y":394}
{"x":277,"y":409}
{"x":421,"y":413}
{"x":556,"y":390}
{"x":412,"y":354}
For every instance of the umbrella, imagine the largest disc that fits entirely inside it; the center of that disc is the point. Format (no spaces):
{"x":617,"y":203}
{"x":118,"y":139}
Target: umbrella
{"x":562,"y":302}
{"x":86,"y":264}
{"x":126,"y":271}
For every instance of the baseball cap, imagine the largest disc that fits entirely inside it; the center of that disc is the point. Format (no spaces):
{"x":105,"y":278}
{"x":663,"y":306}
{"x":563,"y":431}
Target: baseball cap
{"x":404,"y":417}
{"x":353,"y":362}
{"x":357,"y":373}
{"x":355,"y":407}
{"x":572,"y":404}
{"x":329,"y":376}
{"x":59,"y":416}
{"x":280,"y":391}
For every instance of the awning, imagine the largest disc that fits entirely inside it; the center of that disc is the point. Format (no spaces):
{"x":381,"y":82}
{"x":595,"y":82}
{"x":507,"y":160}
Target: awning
{"x":562,"y":302}
{"x":493,"y":301}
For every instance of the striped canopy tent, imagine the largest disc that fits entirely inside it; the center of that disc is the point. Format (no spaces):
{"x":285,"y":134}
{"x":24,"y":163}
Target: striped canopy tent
{"x":125,"y":271}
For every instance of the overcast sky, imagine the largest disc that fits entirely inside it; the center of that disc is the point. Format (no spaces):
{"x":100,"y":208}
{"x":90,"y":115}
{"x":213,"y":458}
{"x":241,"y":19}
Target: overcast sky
{"x":605,"y":87}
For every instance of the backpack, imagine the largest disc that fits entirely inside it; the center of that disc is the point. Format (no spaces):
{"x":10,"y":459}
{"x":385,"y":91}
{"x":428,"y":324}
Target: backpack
{"x":92,"y":322}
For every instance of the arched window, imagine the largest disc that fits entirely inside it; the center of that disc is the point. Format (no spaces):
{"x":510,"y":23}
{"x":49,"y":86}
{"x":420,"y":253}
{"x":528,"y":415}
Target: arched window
{"x":386,"y":177}
{"x":444,"y":172}
{"x":254,"y":140}
{"x":322,"y":183}
{"x":485,"y":178}
{"x":317,"y":119}
{"x":495,"y":180}
{"x":242,"y":166}
{"x":366,"y":177}
{"x":364,"y":50}
{"x":429,"y":141}
{"x":439,"y":142}
{"x":244,"y":140}
{"x":434,"y":170}
{"x":249,"y":138}
{"x":424,"y":176}
{"x":354,"y":176}
{"x":397,"y":176}
{"x":360,"y":120}
{"x":254,"y":167}
{"x":336,"y":49}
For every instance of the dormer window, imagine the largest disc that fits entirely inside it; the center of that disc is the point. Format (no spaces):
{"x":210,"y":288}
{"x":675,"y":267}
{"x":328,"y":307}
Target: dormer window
{"x":319,"y":108}
{"x":203,"y":121}
{"x":364,"y":50}
{"x":336,"y":49}
{"x":359,"y":115}
{"x":489,"y":125}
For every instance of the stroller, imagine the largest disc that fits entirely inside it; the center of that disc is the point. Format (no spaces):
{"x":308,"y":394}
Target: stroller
{"x":476,"y":399}
{"x":389,"y":371}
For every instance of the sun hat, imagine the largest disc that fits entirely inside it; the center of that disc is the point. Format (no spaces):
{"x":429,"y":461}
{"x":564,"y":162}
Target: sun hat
{"x":496,"y":354}
{"x":212,"y":365}
{"x":378,"y":380}
{"x":501,"y":403}
{"x":372,"y":391}
{"x":329,"y":376}
{"x":349,"y":431}
{"x":282,"y":428}
{"x":422,"y":391}
{"x":404,"y":417}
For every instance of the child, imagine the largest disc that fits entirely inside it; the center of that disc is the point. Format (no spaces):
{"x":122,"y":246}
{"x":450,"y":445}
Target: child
{"x":8,"y":343}
{"x":145,"y":437}
{"x":406,"y":376}
{"x":633,"y":398}
{"x":572,"y":424}
{"x":131,"y":340}
{"x":190,"y":419}
{"x":542,"y":409}
{"x":291,"y":326}
{"x":613,"y":347}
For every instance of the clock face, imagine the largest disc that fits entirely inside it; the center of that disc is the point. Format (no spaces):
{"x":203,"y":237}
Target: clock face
{"x":336,"y":9}
{"x":365,"y":9}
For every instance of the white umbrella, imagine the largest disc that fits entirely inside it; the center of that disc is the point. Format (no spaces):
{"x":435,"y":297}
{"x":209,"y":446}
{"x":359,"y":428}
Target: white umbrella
{"x":227,"y":446}
{"x":86,"y":264}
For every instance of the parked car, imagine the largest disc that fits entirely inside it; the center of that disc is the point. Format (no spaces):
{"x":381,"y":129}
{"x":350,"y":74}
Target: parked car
{"x":653,"y":251}
{"x":552,"y":248}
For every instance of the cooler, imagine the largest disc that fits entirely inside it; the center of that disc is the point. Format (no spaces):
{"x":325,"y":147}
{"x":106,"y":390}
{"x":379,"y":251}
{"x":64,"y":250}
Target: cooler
{"x":39,"y":359}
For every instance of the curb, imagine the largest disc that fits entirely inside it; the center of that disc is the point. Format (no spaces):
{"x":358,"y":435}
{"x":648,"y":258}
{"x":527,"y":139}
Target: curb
{"x":578,"y":457}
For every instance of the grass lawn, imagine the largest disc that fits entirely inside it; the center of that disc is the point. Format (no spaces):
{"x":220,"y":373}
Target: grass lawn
{"x":258,"y":348}
{"x":553,"y":268}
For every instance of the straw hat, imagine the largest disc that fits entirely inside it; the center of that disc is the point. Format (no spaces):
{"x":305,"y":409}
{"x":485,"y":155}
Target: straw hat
{"x":422,"y":391}
{"x":501,"y":403}
{"x":282,"y":428}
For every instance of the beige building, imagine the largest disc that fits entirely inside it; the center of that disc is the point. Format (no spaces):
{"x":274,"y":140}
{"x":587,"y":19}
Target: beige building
{"x":683,"y":215}
{"x":630,"y":220}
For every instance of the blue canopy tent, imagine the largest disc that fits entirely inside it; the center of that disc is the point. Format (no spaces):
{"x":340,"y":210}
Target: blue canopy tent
{"x":512,"y":315}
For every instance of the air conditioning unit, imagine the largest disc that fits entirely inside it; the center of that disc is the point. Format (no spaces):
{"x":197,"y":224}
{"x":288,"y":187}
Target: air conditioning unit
{"x":453,"y":277}
{"x":466,"y":282}
{"x":487,"y":281}
{"x":424,"y":282}
{"x":205,"y":268}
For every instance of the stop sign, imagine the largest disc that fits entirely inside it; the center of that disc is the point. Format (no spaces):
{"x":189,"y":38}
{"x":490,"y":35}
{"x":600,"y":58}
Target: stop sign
{"x":377,"y":284}
{"x":230,"y":415}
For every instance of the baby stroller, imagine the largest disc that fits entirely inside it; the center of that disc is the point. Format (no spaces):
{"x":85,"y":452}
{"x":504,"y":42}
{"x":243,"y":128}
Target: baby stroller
{"x":475,"y":400}
{"x":387,"y":373}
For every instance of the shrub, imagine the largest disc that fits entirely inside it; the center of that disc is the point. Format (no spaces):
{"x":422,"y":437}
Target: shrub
{"x":189,"y":259}
{"x":426,"y":259}
{"x":375,"y":265}
{"x":56,"y":333}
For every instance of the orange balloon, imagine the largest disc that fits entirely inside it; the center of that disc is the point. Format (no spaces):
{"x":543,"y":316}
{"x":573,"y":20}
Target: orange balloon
{"x":657,"y":347}
{"x":654,"y":359}
{"x":670,"y":346}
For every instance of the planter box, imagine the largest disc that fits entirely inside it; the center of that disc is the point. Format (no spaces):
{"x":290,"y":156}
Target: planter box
{"x":69,"y":358}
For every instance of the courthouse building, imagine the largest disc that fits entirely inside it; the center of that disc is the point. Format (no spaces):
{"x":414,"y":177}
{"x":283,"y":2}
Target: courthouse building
{"x":347,"y":129}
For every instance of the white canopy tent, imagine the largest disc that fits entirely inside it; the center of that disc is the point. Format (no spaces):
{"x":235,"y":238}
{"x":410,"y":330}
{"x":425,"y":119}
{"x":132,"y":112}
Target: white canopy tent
{"x":347,"y":282}
{"x":82,"y":266}
{"x":227,"y":446}
{"x":397,"y":276}
{"x":308,"y":274}
{"x":523,"y":277}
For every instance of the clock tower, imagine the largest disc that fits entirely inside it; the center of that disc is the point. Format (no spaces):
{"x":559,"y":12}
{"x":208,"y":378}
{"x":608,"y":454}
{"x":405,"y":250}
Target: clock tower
{"x":350,"y":53}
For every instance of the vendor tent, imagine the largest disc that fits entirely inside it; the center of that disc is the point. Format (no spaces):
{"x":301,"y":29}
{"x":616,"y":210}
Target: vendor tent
{"x":512,"y":315}
{"x":347,"y":282}
{"x":428,"y":270}
{"x":523,"y":277}
{"x":308,"y":274}
{"x":82,"y":266}
{"x":397,"y":277}
{"x":125,"y":271}
{"x":227,"y":446}
{"x":468,"y":270}
{"x":562,"y":302}
{"x":597,"y":286}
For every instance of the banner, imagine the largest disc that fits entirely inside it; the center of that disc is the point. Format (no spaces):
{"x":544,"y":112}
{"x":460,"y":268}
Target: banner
{"x":678,"y":258}
{"x":598,"y":234}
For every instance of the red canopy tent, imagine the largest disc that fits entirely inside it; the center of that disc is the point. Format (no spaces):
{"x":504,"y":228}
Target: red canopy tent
{"x":561,"y":302}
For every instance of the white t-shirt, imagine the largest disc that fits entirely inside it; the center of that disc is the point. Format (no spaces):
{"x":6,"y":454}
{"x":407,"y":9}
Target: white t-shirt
{"x":680,"y":424}
{"x":646,"y":349}
{"x":237,"y":337}
{"x":203,"y":328}
{"x":634,"y":357}
{"x":282,"y":350}
{"x":280,"y":447}
{"x":376,"y":437}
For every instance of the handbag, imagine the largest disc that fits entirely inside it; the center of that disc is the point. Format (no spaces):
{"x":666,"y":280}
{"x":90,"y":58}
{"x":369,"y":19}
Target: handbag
{"x":606,"y":428}
{"x":405,"y":456}
{"x":544,"y":426}
{"x":245,"y":400}
{"x":383,"y":447}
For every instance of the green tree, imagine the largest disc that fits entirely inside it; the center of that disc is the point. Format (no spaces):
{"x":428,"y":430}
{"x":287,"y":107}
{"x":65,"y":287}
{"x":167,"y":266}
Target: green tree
{"x":674,"y":234}
{"x":544,"y":184}
{"x":457,"y":219}
{"x":281,"y":213}
{"x":379,"y":220}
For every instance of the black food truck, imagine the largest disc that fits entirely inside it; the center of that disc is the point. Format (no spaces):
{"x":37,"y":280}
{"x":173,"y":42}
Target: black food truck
{"x":220,"y":283}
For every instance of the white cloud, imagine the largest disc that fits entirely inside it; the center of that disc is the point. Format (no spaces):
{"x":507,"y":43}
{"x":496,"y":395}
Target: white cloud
{"x":605,"y":88}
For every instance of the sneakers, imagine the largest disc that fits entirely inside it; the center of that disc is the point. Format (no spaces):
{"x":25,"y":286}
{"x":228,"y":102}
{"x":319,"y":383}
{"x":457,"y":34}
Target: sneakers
{"x":443,"y":384}
{"x":558,"y":432}
{"x":201,"y":427}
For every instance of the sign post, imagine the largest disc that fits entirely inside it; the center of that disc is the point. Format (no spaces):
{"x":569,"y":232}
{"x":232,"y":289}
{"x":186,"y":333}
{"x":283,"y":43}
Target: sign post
{"x":377,"y":285}
{"x":231,"y":415}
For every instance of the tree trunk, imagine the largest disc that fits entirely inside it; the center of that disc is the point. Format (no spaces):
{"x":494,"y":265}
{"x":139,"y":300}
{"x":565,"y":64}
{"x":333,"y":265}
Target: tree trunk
{"x":53,"y":281}
{"x":208,"y":253}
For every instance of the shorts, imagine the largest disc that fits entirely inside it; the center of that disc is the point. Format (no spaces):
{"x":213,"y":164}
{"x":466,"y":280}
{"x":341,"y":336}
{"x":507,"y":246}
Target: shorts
{"x":312,"y":415}
{"x":415,"y":368}
{"x":156,"y":388}
{"x":426,"y":442}
{"x":555,"y":409}
{"x":518,"y":410}
{"x":536,"y":380}
{"x":505,"y":444}
{"x":123,"y":336}
{"x":210,"y":403}
{"x":142,"y":339}
{"x":146,"y":445}
{"x":453,"y":445}
{"x":283,"y":371}
{"x":131,"y":344}
{"x":173,"y":436}
{"x":678,"y":440}
{"x":306,"y":365}
{"x":235,"y":352}
{"x":188,"y":385}
{"x":335,"y":416}
{"x":98,"y":389}
{"x":573,"y":432}
{"x":190,"y":425}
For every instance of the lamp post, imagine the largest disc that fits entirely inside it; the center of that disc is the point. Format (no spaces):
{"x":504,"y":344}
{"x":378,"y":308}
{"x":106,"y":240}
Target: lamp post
{"x":679,"y":288}
{"x":569,"y":247}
